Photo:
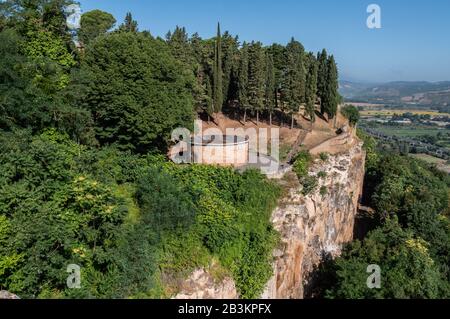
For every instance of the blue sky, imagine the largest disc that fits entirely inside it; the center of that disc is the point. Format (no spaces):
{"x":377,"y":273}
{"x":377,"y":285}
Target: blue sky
{"x":413,"y":43}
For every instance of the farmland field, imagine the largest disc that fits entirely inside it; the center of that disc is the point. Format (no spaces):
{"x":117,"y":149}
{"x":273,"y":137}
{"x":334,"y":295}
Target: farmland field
{"x":440,"y":163}
{"x":387,"y":112}
{"x":409,"y":131}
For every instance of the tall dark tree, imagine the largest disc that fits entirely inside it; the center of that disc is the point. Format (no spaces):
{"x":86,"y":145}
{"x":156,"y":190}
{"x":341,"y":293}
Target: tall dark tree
{"x":278,"y":52}
{"x":270,"y":87}
{"x":322,"y":77}
{"x":294,"y":78}
{"x":243,"y":80}
{"x":331,"y":96}
{"x":181,"y":48}
{"x":230,"y":52}
{"x":93,"y":24}
{"x":129,"y":25}
{"x":311,"y":88}
{"x":218,"y":73}
{"x":256,"y":78}
{"x":202,"y":90}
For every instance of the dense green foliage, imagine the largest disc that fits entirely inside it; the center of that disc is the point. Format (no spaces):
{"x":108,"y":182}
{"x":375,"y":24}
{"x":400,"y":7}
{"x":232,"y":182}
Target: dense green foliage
{"x":407,"y":269}
{"x":327,"y":84}
{"x":136,"y":91}
{"x":370,"y":146}
{"x":93,"y":24}
{"x":351,"y":112}
{"x":411,"y":238}
{"x":300,"y":166}
{"x":81,"y":182}
{"x":77,"y":182}
{"x":252,"y":79}
{"x":129,"y":221}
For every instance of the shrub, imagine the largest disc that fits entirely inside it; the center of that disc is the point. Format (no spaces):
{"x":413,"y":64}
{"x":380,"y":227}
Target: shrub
{"x":164,"y":204}
{"x":322,"y":174}
{"x":324,"y":156}
{"x":301,"y":163}
{"x":309,"y":184}
{"x":351,"y":112}
{"x":232,"y":222}
{"x":323,"y":190}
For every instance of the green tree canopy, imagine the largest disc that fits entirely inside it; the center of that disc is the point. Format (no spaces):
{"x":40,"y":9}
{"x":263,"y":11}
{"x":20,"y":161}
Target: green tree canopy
{"x":407,"y":269}
{"x":129,"y":25}
{"x":136,"y":91}
{"x":93,"y":24}
{"x":351,"y":112}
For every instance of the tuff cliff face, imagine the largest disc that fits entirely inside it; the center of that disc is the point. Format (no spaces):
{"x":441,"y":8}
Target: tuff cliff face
{"x":201,"y":285}
{"x":311,"y":227}
{"x":316,"y":225}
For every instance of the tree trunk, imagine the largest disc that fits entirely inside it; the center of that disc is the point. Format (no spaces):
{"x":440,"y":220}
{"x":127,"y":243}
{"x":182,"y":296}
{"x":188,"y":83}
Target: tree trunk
{"x":270,"y":119}
{"x":245,"y":116}
{"x":292,"y":121}
{"x":257,"y":117}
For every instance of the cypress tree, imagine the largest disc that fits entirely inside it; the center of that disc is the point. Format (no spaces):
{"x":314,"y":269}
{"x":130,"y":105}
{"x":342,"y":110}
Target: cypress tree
{"x":230,"y":50}
{"x":311,"y":88}
{"x":129,"y":25}
{"x":202,"y":59}
{"x":256,"y":78}
{"x":332,"y":86}
{"x":270,"y":87}
{"x":322,"y":75}
{"x":295,"y":78}
{"x":243,"y":79}
{"x":217,"y":73}
{"x":278,"y":53}
{"x":209,"y":103}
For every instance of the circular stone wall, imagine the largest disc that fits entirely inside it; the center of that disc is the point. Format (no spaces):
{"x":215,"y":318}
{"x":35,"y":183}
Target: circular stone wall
{"x":224,"y":150}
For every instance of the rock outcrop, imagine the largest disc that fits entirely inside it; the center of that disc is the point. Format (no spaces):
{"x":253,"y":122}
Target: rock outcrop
{"x":7,"y":295}
{"x":311,"y":227}
{"x":316,"y":225}
{"x":201,"y":285}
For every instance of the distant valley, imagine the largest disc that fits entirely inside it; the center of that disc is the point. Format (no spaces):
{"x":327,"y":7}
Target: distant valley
{"x":434,"y":95}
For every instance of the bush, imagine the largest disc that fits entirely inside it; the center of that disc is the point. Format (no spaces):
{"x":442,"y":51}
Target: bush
{"x":322,"y":174}
{"x":309,"y":183}
{"x":351,"y":112}
{"x":370,"y":145}
{"x":323,"y":190}
{"x":324,"y":156}
{"x":164,"y":205}
{"x":233,"y":221}
{"x":301,"y":163}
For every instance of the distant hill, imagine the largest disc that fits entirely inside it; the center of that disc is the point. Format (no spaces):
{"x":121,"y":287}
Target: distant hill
{"x":422,"y":94}
{"x":350,"y":89}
